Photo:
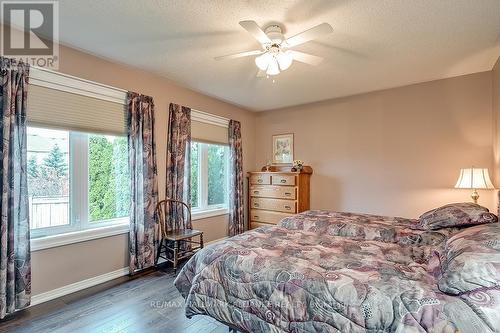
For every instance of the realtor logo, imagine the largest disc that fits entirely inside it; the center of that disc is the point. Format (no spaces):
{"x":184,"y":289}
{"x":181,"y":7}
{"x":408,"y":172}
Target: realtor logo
{"x":30,"y":32}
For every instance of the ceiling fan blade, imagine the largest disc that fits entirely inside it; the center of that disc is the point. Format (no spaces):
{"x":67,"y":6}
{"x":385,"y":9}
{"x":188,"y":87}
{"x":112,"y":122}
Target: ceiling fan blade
{"x":240,"y":55}
{"x":255,"y":31}
{"x":313,"y":33}
{"x":261,"y":73}
{"x":306,"y":58}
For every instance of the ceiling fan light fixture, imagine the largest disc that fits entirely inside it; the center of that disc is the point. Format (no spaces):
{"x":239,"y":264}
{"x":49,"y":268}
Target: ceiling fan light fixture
{"x":275,"y":55}
{"x":262,"y":61}
{"x":273,"y":68}
{"x":284,"y":59}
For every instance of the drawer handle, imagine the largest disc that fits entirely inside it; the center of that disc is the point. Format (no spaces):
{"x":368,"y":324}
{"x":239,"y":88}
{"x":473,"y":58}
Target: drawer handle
{"x":255,"y":204}
{"x":255,"y":192}
{"x":288,"y":193}
{"x":283,"y":181}
{"x":256,"y":217}
{"x":288,"y":207}
{"x":259,"y":180}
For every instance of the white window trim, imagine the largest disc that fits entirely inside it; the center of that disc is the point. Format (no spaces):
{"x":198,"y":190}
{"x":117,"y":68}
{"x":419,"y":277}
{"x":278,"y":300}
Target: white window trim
{"x":72,"y":84}
{"x":203,"y":214}
{"x":208,"y":118}
{"x":68,"y":238}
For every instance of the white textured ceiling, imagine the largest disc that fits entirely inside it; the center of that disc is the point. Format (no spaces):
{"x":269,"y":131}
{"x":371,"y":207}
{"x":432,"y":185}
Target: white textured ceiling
{"x":376,"y":44}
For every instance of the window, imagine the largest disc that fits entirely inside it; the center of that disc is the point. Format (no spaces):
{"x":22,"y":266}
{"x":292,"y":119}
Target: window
{"x":209,"y":177}
{"x":48,"y":178}
{"x":78,"y":176}
{"x":76,"y":180}
{"x":109,"y":190}
{"x":209,"y":164}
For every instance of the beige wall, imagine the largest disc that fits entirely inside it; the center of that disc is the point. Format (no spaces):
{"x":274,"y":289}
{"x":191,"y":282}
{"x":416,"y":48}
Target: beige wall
{"x":53,"y":268}
{"x":392,"y":152}
{"x":59,"y":266}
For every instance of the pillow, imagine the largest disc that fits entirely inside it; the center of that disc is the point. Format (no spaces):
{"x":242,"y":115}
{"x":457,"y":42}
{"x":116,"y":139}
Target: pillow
{"x":455,"y":215}
{"x":471,"y":260}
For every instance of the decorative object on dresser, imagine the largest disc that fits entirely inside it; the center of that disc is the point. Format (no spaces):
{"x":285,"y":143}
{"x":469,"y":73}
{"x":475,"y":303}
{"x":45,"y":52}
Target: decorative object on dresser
{"x":297,"y":165}
{"x":474,"y":179}
{"x":277,"y":193}
{"x":268,"y":166}
{"x":283,"y":148}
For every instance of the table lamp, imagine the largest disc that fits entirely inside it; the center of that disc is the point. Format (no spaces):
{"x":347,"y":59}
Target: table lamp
{"x":474,"y":178}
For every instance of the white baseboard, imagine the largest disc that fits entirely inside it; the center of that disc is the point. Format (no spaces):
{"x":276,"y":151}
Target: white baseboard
{"x":84,"y":284}
{"x":77,"y":286}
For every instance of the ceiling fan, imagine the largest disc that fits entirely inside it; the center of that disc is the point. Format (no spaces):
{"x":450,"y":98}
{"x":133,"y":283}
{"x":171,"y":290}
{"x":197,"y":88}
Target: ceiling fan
{"x":276,"y":54}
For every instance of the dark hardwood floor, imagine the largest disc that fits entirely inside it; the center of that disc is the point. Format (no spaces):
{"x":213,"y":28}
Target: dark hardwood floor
{"x":146,"y":303}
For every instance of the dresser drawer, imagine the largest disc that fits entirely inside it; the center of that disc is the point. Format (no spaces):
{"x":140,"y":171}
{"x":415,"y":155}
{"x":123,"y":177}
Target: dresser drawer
{"x":269,"y":191}
{"x":266,"y":216}
{"x":278,"y":205}
{"x":254,"y":224}
{"x":260,"y":179}
{"x":283,"y":180}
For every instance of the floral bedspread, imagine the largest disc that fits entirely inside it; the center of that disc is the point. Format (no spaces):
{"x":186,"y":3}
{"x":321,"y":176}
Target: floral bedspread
{"x":323,"y":271}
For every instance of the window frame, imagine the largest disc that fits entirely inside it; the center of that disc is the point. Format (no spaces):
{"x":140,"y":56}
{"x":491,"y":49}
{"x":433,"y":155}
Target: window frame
{"x":67,"y":238}
{"x":203,"y":209}
{"x":78,"y":210}
{"x":67,"y":83}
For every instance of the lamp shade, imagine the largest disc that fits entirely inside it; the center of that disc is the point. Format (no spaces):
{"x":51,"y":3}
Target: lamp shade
{"x":474,"y":178}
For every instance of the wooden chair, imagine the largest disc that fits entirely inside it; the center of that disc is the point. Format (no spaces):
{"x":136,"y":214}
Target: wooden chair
{"x":169,"y":240}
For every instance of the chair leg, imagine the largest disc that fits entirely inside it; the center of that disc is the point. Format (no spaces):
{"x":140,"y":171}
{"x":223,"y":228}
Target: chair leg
{"x":158,"y":252}
{"x":176,"y":252}
{"x":201,"y":241}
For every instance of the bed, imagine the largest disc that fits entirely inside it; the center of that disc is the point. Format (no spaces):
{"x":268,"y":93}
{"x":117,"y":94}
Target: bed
{"x":322,"y":271}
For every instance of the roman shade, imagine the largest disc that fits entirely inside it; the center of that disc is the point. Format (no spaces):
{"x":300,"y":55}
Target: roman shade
{"x":208,"y":128}
{"x":59,"y":101}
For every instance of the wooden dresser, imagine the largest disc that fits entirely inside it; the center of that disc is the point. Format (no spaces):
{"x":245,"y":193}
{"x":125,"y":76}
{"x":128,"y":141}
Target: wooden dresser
{"x":276,"y":194}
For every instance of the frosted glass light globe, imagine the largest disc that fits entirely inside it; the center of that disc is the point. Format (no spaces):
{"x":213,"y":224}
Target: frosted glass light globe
{"x":273,"y":68}
{"x":262,"y":61}
{"x":285,"y":60}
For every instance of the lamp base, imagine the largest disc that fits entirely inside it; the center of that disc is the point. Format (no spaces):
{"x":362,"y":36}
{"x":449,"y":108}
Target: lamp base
{"x":474,"y":196}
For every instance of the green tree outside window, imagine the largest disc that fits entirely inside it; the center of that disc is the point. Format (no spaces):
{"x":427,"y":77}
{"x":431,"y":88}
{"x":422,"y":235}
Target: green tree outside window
{"x":109,"y":190}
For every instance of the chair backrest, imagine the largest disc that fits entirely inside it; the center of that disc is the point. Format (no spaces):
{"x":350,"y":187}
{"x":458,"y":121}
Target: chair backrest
{"x":162,"y":212}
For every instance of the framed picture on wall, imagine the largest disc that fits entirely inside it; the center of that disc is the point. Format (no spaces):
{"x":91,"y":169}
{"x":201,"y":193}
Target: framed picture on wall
{"x":283,"y":148}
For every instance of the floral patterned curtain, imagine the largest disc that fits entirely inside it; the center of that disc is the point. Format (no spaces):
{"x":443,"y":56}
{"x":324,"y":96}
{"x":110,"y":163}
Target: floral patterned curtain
{"x":143,"y":179}
{"x":236,"y":216}
{"x":178,"y":185}
{"x":15,"y":258}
